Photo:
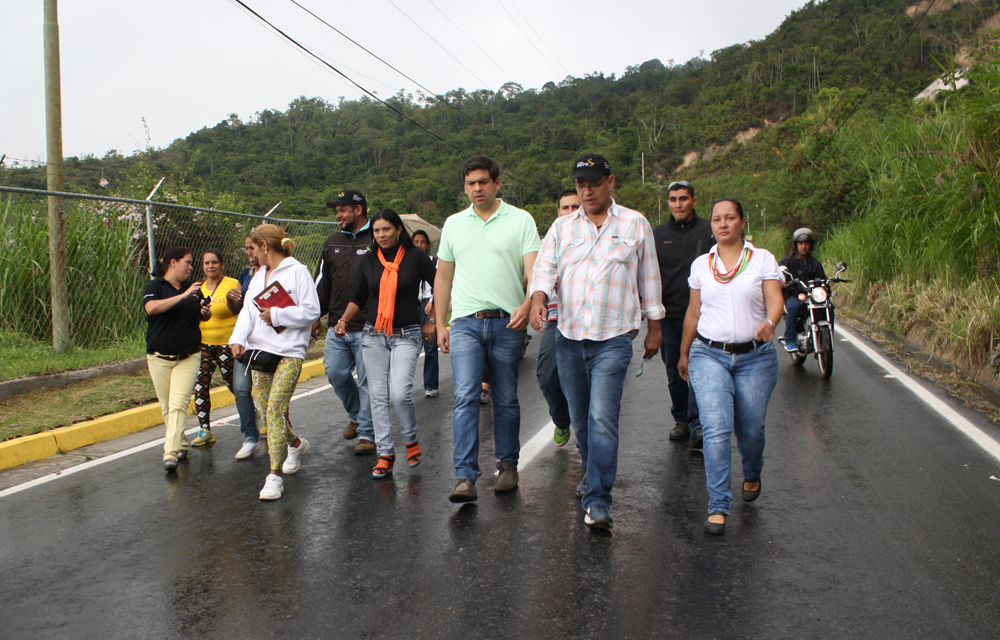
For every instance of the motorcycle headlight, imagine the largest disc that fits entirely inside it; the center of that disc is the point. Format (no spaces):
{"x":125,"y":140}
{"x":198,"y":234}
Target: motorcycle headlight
{"x":819,"y":295}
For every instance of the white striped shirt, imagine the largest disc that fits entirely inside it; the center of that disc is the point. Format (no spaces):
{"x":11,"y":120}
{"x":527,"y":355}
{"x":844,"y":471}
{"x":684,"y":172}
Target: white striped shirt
{"x":607,"y":279}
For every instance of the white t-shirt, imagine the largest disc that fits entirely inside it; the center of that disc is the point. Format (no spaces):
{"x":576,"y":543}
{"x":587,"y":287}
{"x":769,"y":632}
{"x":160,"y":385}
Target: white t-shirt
{"x":731,"y":312}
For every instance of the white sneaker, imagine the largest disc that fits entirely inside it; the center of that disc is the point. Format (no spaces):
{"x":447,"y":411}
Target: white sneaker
{"x":431,"y":393}
{"x":247,"y":450}
{"x":294,"y":458}
{"x":273,"y":487}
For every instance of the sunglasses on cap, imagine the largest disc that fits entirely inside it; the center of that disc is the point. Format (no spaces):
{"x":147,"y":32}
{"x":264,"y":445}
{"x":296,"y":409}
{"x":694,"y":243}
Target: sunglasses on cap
{"x":680,"y":184}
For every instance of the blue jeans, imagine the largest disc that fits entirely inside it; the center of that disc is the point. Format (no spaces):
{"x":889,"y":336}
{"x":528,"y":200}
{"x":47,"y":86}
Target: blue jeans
{"x":684,"y":407}
{"x":242,"y":386}
{"x":430,"y":355}
{"x":341,"y":356}
{"x":389,"y":362}
{"x":476,"y":342}
{"x":548,"y":377}
{"x":592,"y":375}
{"x":733,"y":390}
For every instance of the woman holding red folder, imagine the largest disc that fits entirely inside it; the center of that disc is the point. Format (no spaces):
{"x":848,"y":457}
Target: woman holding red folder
{"x":275,"y":324}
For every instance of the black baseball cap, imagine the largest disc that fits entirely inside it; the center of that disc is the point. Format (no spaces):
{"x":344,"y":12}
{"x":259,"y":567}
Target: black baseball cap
{"x":591,"y":167}
{"x":350,"y":198}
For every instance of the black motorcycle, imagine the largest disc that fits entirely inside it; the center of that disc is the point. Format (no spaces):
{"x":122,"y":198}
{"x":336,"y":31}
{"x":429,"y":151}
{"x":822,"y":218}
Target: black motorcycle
{"x":814,"y":329}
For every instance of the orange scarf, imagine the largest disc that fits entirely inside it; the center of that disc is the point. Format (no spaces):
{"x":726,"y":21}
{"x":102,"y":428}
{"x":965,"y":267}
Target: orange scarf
{"x":387,"y":291}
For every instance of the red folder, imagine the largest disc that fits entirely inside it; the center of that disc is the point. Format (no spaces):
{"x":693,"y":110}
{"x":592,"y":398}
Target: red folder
{"x":274,"y":296}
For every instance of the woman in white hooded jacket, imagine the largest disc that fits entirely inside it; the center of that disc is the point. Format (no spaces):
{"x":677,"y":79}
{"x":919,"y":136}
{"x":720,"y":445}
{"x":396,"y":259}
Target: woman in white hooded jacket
{"x":282,"y":331}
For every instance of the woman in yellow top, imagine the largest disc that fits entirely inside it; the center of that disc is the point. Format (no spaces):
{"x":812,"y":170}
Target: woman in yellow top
{"x":214,"y":340}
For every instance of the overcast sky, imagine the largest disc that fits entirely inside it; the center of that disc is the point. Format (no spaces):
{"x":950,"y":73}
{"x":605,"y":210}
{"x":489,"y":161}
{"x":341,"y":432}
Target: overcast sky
{"x":186,"y":64}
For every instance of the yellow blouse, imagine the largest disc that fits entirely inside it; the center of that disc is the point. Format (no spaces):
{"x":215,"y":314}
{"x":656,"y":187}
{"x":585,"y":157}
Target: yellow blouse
{"x":220,"y":327}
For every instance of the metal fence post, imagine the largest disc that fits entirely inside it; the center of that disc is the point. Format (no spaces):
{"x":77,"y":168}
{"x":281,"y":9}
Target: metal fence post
{"x":54,"y":177}
{"x":149,"y":227}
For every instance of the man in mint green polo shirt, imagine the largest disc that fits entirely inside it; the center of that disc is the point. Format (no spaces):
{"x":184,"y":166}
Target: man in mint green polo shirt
{"x":485,"y":259}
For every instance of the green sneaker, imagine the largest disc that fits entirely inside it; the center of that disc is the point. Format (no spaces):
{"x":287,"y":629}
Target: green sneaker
{"x":204,"y":437}
{"x":561,"y":436}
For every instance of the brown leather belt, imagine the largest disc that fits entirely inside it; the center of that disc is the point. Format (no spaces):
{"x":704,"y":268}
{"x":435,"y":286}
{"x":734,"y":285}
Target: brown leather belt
{"x":491,"y":313}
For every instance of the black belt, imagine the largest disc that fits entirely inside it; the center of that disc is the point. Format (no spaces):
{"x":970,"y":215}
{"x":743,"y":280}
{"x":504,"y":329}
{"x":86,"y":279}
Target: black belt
{"x":732,"y":347}
{"x":172,"y":358}
{"x":491,"y":313}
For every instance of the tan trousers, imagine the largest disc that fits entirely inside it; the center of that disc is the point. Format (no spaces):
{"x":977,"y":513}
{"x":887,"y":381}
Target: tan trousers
{"x":174,"y":382}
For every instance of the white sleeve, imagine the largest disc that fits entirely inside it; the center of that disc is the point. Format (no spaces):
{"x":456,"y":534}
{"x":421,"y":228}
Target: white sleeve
{"x":770,"y":270}
{"x":694,"y":279}
{"x":307,"y":310}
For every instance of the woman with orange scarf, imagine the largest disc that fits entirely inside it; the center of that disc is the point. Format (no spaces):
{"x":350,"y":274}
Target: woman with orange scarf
{"x":392,"y":340}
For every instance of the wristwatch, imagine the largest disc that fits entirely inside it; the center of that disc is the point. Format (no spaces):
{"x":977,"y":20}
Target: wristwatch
{"x":431,"y":320}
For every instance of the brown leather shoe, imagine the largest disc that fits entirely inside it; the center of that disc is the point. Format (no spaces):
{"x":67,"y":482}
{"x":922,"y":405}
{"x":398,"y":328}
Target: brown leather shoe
{"x":351,"y":430}
{"x":364,"y":448}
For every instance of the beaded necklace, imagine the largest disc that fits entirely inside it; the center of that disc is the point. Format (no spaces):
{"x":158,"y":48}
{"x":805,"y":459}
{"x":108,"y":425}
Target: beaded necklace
{"x":727,"y":277}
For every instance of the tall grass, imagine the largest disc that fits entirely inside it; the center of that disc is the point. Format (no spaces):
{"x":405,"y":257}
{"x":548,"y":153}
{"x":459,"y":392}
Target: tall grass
{"x":104,"y":277}
{"x":925,"y":248}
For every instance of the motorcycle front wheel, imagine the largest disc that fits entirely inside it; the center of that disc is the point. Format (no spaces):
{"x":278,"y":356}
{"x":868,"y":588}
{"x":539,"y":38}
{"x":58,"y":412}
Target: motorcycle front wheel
{"x":825,"y":353}
{"x":797,"y":358}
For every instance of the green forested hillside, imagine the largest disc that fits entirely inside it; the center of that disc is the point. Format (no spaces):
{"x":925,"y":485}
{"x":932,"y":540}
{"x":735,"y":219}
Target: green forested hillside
{"x":662,"y":110}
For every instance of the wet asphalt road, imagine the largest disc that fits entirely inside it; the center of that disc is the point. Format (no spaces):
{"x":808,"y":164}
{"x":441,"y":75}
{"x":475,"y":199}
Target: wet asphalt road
{"x":877,"y":519}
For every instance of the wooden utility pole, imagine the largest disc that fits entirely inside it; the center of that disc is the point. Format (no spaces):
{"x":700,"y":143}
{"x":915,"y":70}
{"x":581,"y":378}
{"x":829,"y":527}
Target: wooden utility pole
{"x":54,"y":175}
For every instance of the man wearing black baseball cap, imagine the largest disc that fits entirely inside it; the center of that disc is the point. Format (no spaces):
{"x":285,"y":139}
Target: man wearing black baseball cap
{"x":336,"y":279}
{"x":606,"y":278}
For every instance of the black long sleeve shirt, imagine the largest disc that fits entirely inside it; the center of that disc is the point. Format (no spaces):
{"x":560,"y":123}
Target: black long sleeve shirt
{"x":415,"y":267}
{"x":677,"y":246}
{"x":804,"y":270}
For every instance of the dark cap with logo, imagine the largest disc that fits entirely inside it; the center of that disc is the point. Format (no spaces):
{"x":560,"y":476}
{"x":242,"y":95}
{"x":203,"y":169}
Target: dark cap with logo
{"x":591,"y":167}
{"x":350,"y":198}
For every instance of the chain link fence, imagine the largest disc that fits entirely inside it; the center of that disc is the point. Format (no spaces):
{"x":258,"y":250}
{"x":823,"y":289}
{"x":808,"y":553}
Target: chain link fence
{"x":109,"y":242}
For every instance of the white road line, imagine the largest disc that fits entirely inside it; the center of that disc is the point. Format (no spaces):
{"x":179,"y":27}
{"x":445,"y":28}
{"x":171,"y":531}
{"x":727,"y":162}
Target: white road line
{"x":536,"y":445}
{"x":90,"y":464}
{"x":976,"y":434}
{"x":529,"y":451}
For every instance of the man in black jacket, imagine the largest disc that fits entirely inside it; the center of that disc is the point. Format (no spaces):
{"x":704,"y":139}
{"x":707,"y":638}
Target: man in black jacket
{"x":336,"y":280}
{"x":679,"y":241}
{"x":803,"y":266}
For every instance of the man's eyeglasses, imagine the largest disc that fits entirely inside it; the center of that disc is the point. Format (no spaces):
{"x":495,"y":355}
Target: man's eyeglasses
{"x":589,"y":184}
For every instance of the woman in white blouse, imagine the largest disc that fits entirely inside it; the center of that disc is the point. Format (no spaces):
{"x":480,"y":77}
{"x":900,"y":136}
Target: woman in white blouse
{"x":728,"y":354}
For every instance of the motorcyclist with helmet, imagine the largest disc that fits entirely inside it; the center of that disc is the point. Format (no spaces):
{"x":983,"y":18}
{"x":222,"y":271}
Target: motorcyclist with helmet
{"x":803,"y":266}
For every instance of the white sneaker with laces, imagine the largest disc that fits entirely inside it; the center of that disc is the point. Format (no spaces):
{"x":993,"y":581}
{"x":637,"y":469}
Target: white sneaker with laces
{"x":273,"y":487}
{"x":431,"y":393}
{"x":247,"y":450}
{"x":294,"y":459}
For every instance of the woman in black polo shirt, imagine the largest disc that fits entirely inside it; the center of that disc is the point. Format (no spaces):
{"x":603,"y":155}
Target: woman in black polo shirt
{"x":174,"y":309}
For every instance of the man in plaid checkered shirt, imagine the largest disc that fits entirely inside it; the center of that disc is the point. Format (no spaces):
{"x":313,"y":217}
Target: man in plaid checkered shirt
{"x":604,"y":260}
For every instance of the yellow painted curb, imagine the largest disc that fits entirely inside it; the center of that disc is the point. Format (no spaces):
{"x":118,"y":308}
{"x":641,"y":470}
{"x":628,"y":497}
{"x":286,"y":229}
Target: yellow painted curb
{"x":42,"y":445}
{"x":26,"y":449}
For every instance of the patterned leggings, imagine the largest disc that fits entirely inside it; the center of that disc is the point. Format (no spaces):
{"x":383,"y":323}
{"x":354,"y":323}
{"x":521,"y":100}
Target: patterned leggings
{"x":273,"y":393}
{"x":212,"y":355}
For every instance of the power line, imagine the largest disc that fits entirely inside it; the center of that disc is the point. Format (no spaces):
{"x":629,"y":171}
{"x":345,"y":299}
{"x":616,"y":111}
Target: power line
{"x":540,"y":38}
{"x":484,"y":83}
{"x":542,"y":55}
{"x":340,"y":73}
{"x":506,"y":73}
{"x":439,"y":97}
